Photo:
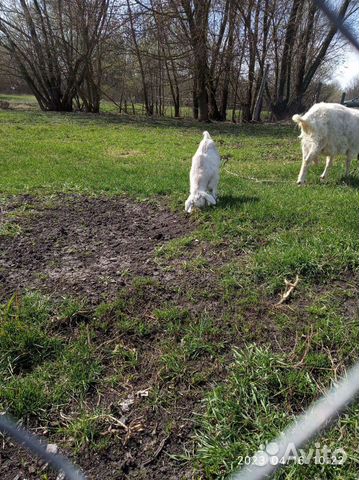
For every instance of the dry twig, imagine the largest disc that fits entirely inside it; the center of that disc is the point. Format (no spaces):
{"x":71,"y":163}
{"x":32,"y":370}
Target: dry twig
{"x":157,"y":452}
{"x":290,"y":286}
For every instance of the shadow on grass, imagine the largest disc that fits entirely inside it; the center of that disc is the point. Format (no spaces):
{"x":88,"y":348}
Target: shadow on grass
{"x":279,"y":130}
{"x":351,"y":181}
{"x":230,"y":201}
{"x":215,"y":128}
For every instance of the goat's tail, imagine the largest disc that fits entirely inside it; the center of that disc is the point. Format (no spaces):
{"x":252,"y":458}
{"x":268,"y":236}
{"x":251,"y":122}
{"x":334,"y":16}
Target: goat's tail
{"x":206,"y":137}
{"x":303,"y":123}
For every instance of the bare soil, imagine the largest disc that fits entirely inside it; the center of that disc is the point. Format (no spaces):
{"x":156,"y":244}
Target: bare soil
{"x":95,"y":249}
{"x":84,"y":247}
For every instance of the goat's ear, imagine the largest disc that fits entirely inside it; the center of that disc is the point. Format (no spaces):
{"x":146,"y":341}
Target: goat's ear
{"x":210,"y":199}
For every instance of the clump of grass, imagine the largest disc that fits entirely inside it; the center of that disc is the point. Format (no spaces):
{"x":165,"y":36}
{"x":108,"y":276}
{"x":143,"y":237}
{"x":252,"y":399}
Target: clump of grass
{"x":333,"y":333}
{"x":137,"y":326}
{"x":71,"y":374}
{"x":127,"y":357}
{"x":71,"y":308}
{"x":201,"y":337}
{"x":85,"y":430}
{"x":172,"y":318}
{"x":9,"y":229}
{"x":260,"y":398}
{"x":173,"y":360}
{"x":198,"y":338}
{"x":176,"y":247}
{"x":24,"y":338}
{"x":39,"y":370}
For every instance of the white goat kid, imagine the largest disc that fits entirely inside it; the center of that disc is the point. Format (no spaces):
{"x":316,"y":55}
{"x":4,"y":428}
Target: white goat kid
{"x":204,"y":175}
{"x":329,"y":129}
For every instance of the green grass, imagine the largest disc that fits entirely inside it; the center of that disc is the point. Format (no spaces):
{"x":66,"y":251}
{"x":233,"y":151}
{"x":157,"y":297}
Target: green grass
{"x":40,"y":369}
{"x":28,"y":100}
{"x":268,"y":230}
{"x":25,"y":102}
{"x":290,"y":230}
{"x":263,"y":393}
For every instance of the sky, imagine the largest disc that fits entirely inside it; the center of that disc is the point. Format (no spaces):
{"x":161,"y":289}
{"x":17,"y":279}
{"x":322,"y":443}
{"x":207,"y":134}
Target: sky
{"x":348,"y":70}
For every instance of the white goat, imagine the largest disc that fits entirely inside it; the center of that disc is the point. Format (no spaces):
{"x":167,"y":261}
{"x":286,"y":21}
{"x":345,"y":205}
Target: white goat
{"x":330,"y":129}
{"x":204,"y":175}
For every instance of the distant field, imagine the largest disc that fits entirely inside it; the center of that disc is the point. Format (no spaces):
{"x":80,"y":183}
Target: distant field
{"x":18,"y":98}
{"x":146,"y":342}
{"x":27,"y":102}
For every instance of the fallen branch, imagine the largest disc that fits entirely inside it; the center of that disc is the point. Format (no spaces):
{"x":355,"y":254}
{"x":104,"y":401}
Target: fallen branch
{"x":290,"y":286}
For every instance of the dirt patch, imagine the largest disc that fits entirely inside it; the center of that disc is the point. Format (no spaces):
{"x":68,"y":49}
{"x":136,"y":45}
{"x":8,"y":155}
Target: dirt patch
{"x":85,"y":247}
{"x":94,"y":249}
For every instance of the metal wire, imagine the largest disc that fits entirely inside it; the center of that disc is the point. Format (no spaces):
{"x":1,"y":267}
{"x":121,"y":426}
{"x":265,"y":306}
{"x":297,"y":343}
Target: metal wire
{"x":319,"y":417}
{"x":31,"y":442}
{"x":338,"y":22}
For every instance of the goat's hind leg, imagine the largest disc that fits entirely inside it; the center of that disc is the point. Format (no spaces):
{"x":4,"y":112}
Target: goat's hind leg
{"x":309,"y":156}
{"x":213,"y":186}
{"x":328,"y":164}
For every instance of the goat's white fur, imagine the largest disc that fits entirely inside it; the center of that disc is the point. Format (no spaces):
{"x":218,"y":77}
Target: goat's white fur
{"x":204,"y":175}
{"x":329,"y":129}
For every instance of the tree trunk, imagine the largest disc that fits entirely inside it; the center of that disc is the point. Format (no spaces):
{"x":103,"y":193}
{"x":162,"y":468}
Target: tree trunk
{"x":148,"y":107}
{"x":289,"y":103}
{"x":195,"y":107}
{"x":214,"y":113}
{"x":202,"y":96}
{"x":228,"y":64}
{"x":279,"y":107}
{"x":197,"y":19}
{"x":252,"y":40}
{"x":256,"y":117}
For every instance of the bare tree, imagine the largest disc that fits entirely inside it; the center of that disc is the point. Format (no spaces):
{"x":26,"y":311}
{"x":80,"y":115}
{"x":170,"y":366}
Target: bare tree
{"x":55,"y":46}
{"x":208,"y":54}
{"x":193,"y":17}
{"x":306,"y":44}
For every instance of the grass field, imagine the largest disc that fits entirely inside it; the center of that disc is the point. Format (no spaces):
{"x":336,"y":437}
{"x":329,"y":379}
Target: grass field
{"x":28,"y":102}
{"x":188,"y":367}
